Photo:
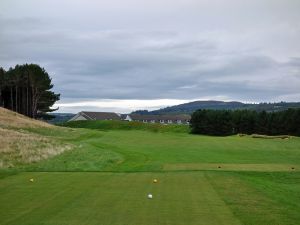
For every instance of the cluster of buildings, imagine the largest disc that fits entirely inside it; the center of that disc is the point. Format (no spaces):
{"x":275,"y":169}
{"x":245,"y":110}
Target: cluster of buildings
{"x":163,"y":119}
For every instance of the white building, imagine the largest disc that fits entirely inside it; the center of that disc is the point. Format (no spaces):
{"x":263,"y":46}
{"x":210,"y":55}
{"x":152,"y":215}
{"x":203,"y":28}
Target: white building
{"x":163,"y":119}
{"x":96,"y":116}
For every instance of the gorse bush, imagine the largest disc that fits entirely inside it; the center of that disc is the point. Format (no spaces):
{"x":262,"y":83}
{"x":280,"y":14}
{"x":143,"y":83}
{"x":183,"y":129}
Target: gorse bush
{"x":227,"y":122}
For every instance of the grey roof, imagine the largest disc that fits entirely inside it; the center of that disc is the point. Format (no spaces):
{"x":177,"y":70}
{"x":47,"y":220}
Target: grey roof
{"x":160,"y":117}
{"x":100,"y":115}
{"x":123,"y":116}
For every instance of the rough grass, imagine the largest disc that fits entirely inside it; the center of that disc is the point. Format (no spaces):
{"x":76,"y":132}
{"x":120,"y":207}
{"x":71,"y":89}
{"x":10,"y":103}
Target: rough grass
{"x":10,"y":119}
{"x":20,"y":147}
{"x":20,"y":142}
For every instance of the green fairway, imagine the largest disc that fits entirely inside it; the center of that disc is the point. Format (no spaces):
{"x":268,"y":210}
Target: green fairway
{"x":106,"y":177}
{"x":135,"y":150}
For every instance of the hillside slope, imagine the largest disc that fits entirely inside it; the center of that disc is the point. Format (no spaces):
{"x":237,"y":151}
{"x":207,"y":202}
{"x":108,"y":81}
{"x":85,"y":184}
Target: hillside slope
{"x":15,"y":120}
{"x":190,"y":107}
{"x":21,"y":142}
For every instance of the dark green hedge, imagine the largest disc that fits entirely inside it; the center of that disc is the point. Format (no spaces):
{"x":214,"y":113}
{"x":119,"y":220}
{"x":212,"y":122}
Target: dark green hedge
{"x":227,"y":122}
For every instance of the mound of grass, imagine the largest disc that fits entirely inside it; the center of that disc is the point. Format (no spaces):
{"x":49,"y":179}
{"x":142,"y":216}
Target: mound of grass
{"x":19,"y":147}
{"x":10,"y":119}
{"x":24,"y":140}
{"x":124,"y":125}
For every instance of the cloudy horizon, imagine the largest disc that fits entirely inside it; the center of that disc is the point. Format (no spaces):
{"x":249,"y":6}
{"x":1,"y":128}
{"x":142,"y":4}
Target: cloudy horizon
{"x":128,"y":55}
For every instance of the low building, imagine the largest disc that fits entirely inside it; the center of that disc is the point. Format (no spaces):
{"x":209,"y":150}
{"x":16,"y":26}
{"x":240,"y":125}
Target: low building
{"x":96,"y":116}
{"x":163,"y":119}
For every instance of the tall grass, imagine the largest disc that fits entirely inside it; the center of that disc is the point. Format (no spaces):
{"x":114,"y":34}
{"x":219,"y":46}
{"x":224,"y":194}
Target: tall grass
{"x":19,"y":147}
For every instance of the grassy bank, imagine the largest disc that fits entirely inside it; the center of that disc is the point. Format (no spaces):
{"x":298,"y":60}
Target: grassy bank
{"x":24,"y":140}
{"x":126,"y":125}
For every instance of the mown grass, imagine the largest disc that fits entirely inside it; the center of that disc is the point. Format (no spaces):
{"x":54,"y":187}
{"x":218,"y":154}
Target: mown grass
{"x":106,"y":177}
{"x":109,"y":198}
{"x":206,"y":198}
{"x":126,"y":125}
{"x":135,"y":150}
{"x":260,"y":197}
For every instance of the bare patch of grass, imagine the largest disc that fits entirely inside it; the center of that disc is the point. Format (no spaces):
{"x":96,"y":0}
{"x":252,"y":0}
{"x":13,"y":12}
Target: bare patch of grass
{"x":271,"y":137}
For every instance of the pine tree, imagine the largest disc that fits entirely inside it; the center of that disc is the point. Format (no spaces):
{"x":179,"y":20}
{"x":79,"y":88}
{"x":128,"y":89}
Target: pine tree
{"x":26,"y":89}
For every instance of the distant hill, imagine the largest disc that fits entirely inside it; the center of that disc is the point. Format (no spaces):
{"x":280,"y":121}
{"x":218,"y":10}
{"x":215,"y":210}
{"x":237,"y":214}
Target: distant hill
{"x":60,"y":117}
{"x":190,"y":107}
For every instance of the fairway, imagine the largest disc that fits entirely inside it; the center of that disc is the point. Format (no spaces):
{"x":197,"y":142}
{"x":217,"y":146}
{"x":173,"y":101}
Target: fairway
{"x":106,"y":178}
{"x":120,"y":150}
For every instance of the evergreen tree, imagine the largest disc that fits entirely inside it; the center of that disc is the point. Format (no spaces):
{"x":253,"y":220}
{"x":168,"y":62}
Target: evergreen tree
{"x":222,"y":122}
{"x":2,"y":85}
{"x":26,"y":89}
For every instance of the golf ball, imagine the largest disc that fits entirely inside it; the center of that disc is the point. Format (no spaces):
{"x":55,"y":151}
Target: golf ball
{"x":155,"y":181}
{"x":150,"y":196}
{"x":31,"y":180}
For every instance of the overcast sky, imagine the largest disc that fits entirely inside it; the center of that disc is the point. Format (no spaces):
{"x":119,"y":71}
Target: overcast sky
{"x":122,"y":55}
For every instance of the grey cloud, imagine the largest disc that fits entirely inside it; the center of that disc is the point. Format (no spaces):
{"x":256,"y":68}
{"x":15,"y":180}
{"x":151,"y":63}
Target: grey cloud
{"x":177,"y":56}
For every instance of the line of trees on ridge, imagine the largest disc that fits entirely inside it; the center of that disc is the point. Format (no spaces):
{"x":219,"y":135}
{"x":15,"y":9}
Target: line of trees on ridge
{"x":26,"y":89}
{"x":229,"y":122}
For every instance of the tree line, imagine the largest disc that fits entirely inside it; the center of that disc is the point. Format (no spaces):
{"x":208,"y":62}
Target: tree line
{"x":228,"y":122}
{"x":26,"y":89}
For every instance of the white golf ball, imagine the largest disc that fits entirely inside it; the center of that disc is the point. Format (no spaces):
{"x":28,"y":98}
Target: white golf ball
{"x":150,"y":196}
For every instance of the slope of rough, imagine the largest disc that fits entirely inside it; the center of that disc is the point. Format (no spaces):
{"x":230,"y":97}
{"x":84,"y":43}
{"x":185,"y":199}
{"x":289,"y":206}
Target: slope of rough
{"x":12,"y":119}
{"x":20,"y":142}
